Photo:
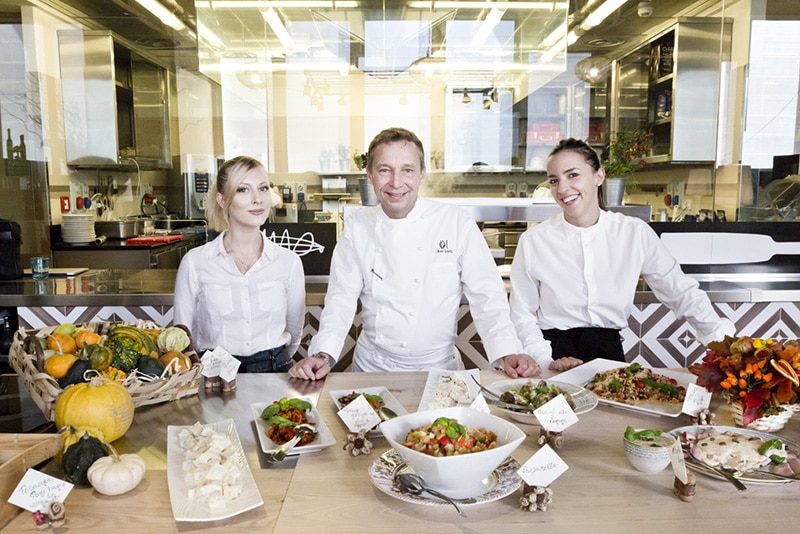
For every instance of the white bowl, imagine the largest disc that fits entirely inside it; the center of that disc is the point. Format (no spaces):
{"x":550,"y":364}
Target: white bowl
{"x":649,"y":455}
{"x":457,"y":476}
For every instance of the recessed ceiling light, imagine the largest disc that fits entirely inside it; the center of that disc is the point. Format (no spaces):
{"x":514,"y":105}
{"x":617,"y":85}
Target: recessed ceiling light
{"x":605,"y":42}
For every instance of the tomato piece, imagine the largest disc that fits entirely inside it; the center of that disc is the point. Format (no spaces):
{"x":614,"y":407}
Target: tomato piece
{"x":639,"y":384}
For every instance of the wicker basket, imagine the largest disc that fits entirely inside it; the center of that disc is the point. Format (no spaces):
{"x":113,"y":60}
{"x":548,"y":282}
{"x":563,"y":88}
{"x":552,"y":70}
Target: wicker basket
{"x":767,"y":423}
{"x":44,"y":389}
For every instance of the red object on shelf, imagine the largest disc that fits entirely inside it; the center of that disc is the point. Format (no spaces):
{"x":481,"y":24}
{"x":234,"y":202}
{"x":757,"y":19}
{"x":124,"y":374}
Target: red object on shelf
{"x":153,"y":239}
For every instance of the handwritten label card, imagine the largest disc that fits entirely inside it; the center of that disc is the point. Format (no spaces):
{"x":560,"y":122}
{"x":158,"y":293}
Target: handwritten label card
{"x":697,"y":399}
{"x":543,"y":467}
{"x":677,"y":461}
{"x":359,"y":415}
{"x":36,"y":491}
{"x":480,"y":404}
{"x":219,"y":362}
{"x":556,"y":415}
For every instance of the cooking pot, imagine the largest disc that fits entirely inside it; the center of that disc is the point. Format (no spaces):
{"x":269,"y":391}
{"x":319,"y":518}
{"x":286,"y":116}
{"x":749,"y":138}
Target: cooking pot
{"x":119,"y":229}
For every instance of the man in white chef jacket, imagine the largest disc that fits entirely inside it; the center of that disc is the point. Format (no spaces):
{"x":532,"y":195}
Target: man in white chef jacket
{"x":408,"y":261}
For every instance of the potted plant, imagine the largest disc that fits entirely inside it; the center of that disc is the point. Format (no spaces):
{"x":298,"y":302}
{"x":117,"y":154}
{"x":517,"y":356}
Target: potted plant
{"x":625,"y":156}
{"x":360,"y":160}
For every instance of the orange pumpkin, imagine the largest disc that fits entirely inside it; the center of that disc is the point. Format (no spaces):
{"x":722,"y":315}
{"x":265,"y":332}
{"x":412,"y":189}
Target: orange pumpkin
{"x":176,"y":361}
{"x":61,"y":343}
{"x":57,"y":365}
{"x":87,"y":337}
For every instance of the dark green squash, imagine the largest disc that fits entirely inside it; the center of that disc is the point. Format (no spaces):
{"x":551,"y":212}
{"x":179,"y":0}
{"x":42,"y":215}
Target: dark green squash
{"x":150,"y":366}
{"x":74,"y":375}
{"x":99,"y":357}
{"x":80,"y":456}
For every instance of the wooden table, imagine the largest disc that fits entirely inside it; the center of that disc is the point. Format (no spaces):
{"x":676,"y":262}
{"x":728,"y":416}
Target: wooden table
{"x":330,"y":491}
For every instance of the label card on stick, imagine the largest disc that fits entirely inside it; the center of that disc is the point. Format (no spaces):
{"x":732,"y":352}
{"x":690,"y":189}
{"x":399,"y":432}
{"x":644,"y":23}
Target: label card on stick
{"x":480,"y":404}
{"x":36,"y":491}
{"x":219,"y":362}
{"x":359,"y":415}
{"x":543,"y":467}
{"x":697,"y":399}
{"x":556,"y":415}
{"x":677,"y":461}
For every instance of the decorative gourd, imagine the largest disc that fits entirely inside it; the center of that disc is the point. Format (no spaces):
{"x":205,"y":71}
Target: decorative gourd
{"x":74,"y":375}
{"x":176,"y":361}
{"x":150,"y":366}
{"x":101,"y":404}
{"x":80,"y":456}
{"x":62,"y":343}
{"x":99,"y":357}
{"x":87,"y":337}
{"x":73,"y":434}
{"x":115,"y":474}
{"x":58,"y":365}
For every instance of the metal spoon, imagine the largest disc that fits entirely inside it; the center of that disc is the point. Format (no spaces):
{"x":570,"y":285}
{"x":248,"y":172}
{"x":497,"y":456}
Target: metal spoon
{"x":730,"y":477}
{"x":300,"y":430}
{"x":386,"y":413}
{"x":415,"y":485}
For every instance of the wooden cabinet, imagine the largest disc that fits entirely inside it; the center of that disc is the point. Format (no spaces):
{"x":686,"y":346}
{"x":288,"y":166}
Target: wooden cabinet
{"x":670,"y":87}
{"x":115,"y":103}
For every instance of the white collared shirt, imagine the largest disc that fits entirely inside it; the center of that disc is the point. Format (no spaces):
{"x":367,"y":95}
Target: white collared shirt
{"x":564,"y":276}
{"x":243,"y":313}
{"x":409,"y":275}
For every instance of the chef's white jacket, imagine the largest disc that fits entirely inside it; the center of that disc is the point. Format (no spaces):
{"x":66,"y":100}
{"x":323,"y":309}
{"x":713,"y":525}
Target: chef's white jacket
{"x":242,"y":313}
{"x":564,"y":276}
{"x":409,"y":275}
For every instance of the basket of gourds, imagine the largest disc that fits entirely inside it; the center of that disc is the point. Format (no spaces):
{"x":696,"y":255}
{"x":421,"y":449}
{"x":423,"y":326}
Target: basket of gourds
{"x":154,"y":364}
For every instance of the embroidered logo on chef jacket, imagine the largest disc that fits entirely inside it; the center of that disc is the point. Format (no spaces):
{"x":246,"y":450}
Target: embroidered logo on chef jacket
{"x":444,"y":247}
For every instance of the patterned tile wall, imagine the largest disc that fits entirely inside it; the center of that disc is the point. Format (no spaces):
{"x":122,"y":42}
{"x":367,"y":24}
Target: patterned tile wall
{"x":654,"y":335}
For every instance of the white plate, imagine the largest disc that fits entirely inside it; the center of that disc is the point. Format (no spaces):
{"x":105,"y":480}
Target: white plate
{"x":388,"y":399}
{"x":324,"y":436}
{"x":758,"y":476}
{"x":185,"y":509}
{"x":583,"y":399}
{"x":431,"y":400}
{"x":584,"y":373}
{"x":502,"y":482}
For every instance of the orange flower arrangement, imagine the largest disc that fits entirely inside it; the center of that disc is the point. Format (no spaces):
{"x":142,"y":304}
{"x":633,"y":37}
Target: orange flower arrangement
{"x":759,"y":373}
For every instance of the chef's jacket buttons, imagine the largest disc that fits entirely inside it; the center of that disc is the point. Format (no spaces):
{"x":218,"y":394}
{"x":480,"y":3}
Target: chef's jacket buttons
{"x":416,"y":280}
{"x":404,"y":344}
{"x":411,"y":314}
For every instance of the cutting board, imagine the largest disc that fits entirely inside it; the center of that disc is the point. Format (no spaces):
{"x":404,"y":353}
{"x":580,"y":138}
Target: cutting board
{"x":717,"y":248}
{"x":153,"y":239}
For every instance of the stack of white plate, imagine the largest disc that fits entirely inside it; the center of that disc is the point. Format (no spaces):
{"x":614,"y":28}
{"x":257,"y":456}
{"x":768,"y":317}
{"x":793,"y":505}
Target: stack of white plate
{"x":77,"y":228}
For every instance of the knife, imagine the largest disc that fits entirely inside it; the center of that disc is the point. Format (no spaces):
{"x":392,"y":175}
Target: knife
{"x":704,"y":248}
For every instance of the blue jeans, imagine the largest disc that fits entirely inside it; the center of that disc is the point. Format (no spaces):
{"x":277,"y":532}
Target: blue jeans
{"x":275,"y":360}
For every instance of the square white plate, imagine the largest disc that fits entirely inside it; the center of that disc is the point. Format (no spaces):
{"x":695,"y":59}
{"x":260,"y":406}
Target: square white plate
{"x":584,"y":373}
{"x":324,"y":436}
{"x":185,"y":509}
{"x":388,"y":399}
{"x":433,"y":396}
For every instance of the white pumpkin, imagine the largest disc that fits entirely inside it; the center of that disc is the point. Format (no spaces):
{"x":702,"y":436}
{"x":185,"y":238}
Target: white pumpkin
{"x":116,"y":474}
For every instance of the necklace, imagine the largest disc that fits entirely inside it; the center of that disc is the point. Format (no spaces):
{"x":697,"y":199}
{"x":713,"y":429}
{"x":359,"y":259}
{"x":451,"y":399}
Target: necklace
{"x":244,"y":266}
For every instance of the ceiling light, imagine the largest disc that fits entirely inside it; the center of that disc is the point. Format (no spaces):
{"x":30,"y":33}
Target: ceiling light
{"x":601,"y":13}
{"x":164,"y":15}
{"x":488,"y":25}
{"x":592,"y":69}
{"x":463,"y":4}
{"x":274,"y":21}
{"x":208,"y":36}
{"x":261,"y":4}
{"x":466,"y":98}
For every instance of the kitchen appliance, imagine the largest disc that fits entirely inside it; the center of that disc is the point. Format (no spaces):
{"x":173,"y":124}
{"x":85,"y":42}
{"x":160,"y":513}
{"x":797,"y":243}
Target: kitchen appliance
{"x":199,"y":173}
{"x":119,"y":229}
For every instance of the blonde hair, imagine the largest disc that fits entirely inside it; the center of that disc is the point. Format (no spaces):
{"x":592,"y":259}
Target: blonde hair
{"x":229,"y":177}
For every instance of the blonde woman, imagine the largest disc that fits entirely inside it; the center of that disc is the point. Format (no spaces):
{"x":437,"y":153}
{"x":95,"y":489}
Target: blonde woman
{"x":241,"y":291}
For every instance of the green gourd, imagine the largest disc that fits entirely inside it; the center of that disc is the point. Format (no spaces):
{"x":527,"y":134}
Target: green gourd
{"x":150,"y":366}
{"x":80,"y":456}
{"x":74,"y":374}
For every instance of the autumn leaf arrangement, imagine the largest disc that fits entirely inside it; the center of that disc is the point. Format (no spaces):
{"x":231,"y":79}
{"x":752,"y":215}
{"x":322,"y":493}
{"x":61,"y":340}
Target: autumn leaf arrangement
{"x":759,"y":373}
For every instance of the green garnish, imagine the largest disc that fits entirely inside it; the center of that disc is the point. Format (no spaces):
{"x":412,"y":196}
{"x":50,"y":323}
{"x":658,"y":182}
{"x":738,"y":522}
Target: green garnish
{"x":667,"y":389}
{"x":769,"y":445}
{"x":452,"y":428}
{"x":283,"y":405}
{"x":281,"y":422}
{"x":632,"y":435}
{"x":632,"y":368}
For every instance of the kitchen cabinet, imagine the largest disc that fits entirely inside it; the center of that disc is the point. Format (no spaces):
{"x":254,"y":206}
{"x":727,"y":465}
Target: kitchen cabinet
{"x":670,"y":87}
{"x":115,"y":103}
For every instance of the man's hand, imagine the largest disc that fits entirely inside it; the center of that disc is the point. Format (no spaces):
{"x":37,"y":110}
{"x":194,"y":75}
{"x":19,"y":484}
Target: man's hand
{"x":310,"y":369}
{"x":520,"y":366}
{"x":562,"y":364}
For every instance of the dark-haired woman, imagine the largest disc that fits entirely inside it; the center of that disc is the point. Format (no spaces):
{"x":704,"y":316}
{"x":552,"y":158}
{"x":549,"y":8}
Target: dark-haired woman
{"x":242,"y":292}
{"x":574,"y":275}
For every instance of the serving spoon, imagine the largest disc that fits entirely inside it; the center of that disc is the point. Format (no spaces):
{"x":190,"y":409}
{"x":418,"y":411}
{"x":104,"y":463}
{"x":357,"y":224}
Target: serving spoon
{"x":386,"y":413}
{"x":299,"y":431}
{"x":415,"y":485}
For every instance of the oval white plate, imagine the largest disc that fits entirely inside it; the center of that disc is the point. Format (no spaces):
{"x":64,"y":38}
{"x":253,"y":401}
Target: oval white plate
{"x":583,"y":399}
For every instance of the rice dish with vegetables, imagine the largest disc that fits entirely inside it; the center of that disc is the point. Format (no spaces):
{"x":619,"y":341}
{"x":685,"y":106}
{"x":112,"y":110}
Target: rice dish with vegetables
{"x":534,"y":395}
{"x":636,"y":384}
{"x":375,"y":401}
{"x":448,"y":437}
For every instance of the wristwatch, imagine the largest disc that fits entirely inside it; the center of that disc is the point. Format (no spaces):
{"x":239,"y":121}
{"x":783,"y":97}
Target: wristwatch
{"x":325,"y":358}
